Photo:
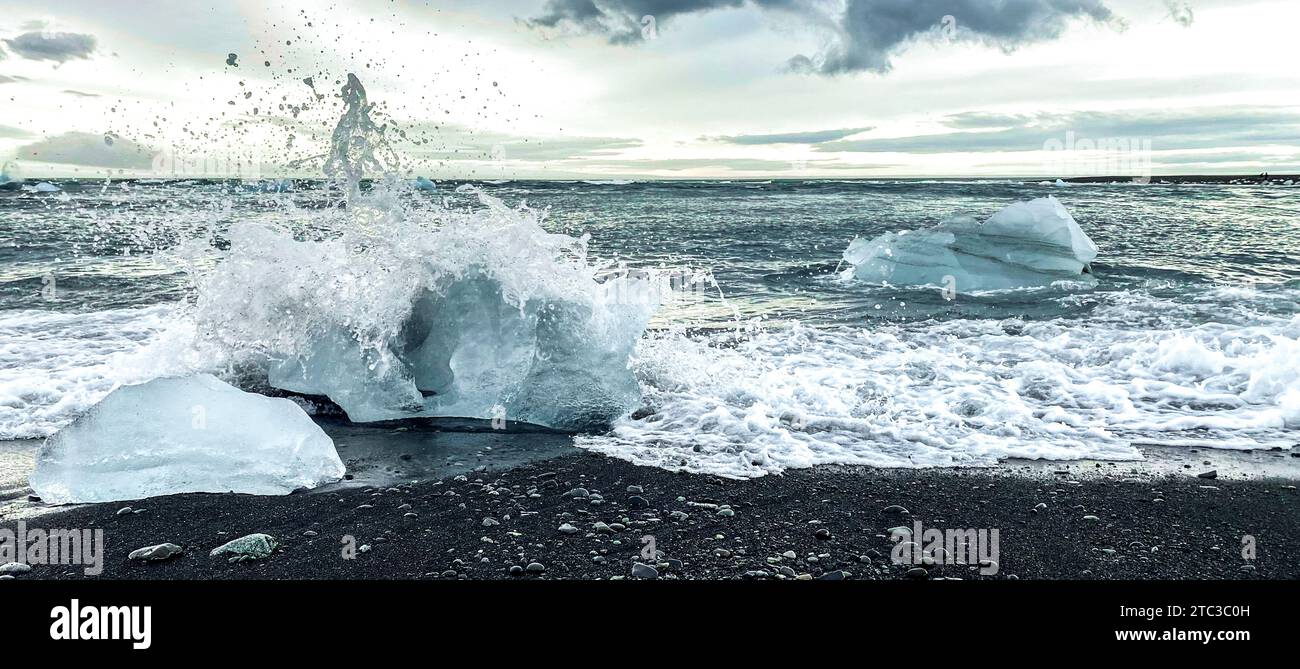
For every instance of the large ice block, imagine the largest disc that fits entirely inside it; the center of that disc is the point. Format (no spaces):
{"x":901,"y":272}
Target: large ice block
{"x":1026,"y":244}
{"x":467,"y":351}
{"x":190,"y":434}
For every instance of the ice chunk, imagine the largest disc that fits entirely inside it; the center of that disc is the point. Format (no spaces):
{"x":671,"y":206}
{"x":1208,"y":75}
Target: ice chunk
{"x":191,"y":434}
{"x":42,"y":187}
{"x":468,"y":351}
{"x":423,"y":183}
{"x":1026,"y":244}
{"x":480,"y":314}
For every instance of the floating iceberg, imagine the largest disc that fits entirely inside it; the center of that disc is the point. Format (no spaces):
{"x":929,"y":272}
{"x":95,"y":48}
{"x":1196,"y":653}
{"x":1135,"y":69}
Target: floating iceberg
{"x":485,"y":315}
{"x":424,"y":184}
{"x":175,"y":435}
{"x":1026,"y":244}
{"x":42,"y":187}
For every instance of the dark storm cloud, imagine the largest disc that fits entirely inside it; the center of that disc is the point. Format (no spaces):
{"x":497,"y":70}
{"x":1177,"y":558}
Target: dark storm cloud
{"x":621,"y":20}
{"x":875,"y":30}
{"x":812,"y":137}
{"x":58,"y":47}
{"x":83,"y":148}
{"x":1194,"y":129}
{"x":864,"y":36}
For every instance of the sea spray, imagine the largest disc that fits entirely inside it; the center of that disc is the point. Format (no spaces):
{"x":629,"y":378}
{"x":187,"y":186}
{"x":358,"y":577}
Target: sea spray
{"x":359,"y":145}
{"x":407,"y":312}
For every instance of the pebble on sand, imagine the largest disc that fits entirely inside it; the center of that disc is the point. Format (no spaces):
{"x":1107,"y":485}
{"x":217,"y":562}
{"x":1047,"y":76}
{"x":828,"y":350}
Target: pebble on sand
{"x":640,"y":570}
{"x":14,"y":568}
{"x":156,"y":553}
{"x":251,"y":547}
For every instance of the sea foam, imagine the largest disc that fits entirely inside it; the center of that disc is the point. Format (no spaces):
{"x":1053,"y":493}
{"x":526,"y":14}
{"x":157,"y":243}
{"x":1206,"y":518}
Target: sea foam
{"x":963,"y":392}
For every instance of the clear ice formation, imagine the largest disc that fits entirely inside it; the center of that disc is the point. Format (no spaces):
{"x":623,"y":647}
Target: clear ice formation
{"x":187,"y":434}
{"x":1025,"y":245}
{"x":484,"y":316}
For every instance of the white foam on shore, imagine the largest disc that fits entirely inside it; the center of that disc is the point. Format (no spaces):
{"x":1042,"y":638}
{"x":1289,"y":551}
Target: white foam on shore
{"x":964,"y":392}
{"x":54,"y":366}
{"x":1138,"y":370}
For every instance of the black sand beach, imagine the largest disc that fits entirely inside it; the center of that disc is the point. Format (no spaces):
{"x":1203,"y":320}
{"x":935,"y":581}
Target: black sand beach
{"x":1092,"y":521}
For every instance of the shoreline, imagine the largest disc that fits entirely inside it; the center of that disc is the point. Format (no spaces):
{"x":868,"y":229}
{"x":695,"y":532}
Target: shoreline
{"x":1097,"y":522}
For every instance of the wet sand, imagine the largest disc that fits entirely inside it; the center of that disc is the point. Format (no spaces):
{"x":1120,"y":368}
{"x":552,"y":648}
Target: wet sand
{"x":1081,"y":520}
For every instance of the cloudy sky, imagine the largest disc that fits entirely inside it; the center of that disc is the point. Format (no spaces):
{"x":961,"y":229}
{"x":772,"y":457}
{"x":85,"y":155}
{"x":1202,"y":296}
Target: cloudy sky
{"x":657,"y":88}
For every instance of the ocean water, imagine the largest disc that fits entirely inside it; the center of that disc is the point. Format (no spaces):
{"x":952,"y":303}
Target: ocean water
{"x":1189,"y":337}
